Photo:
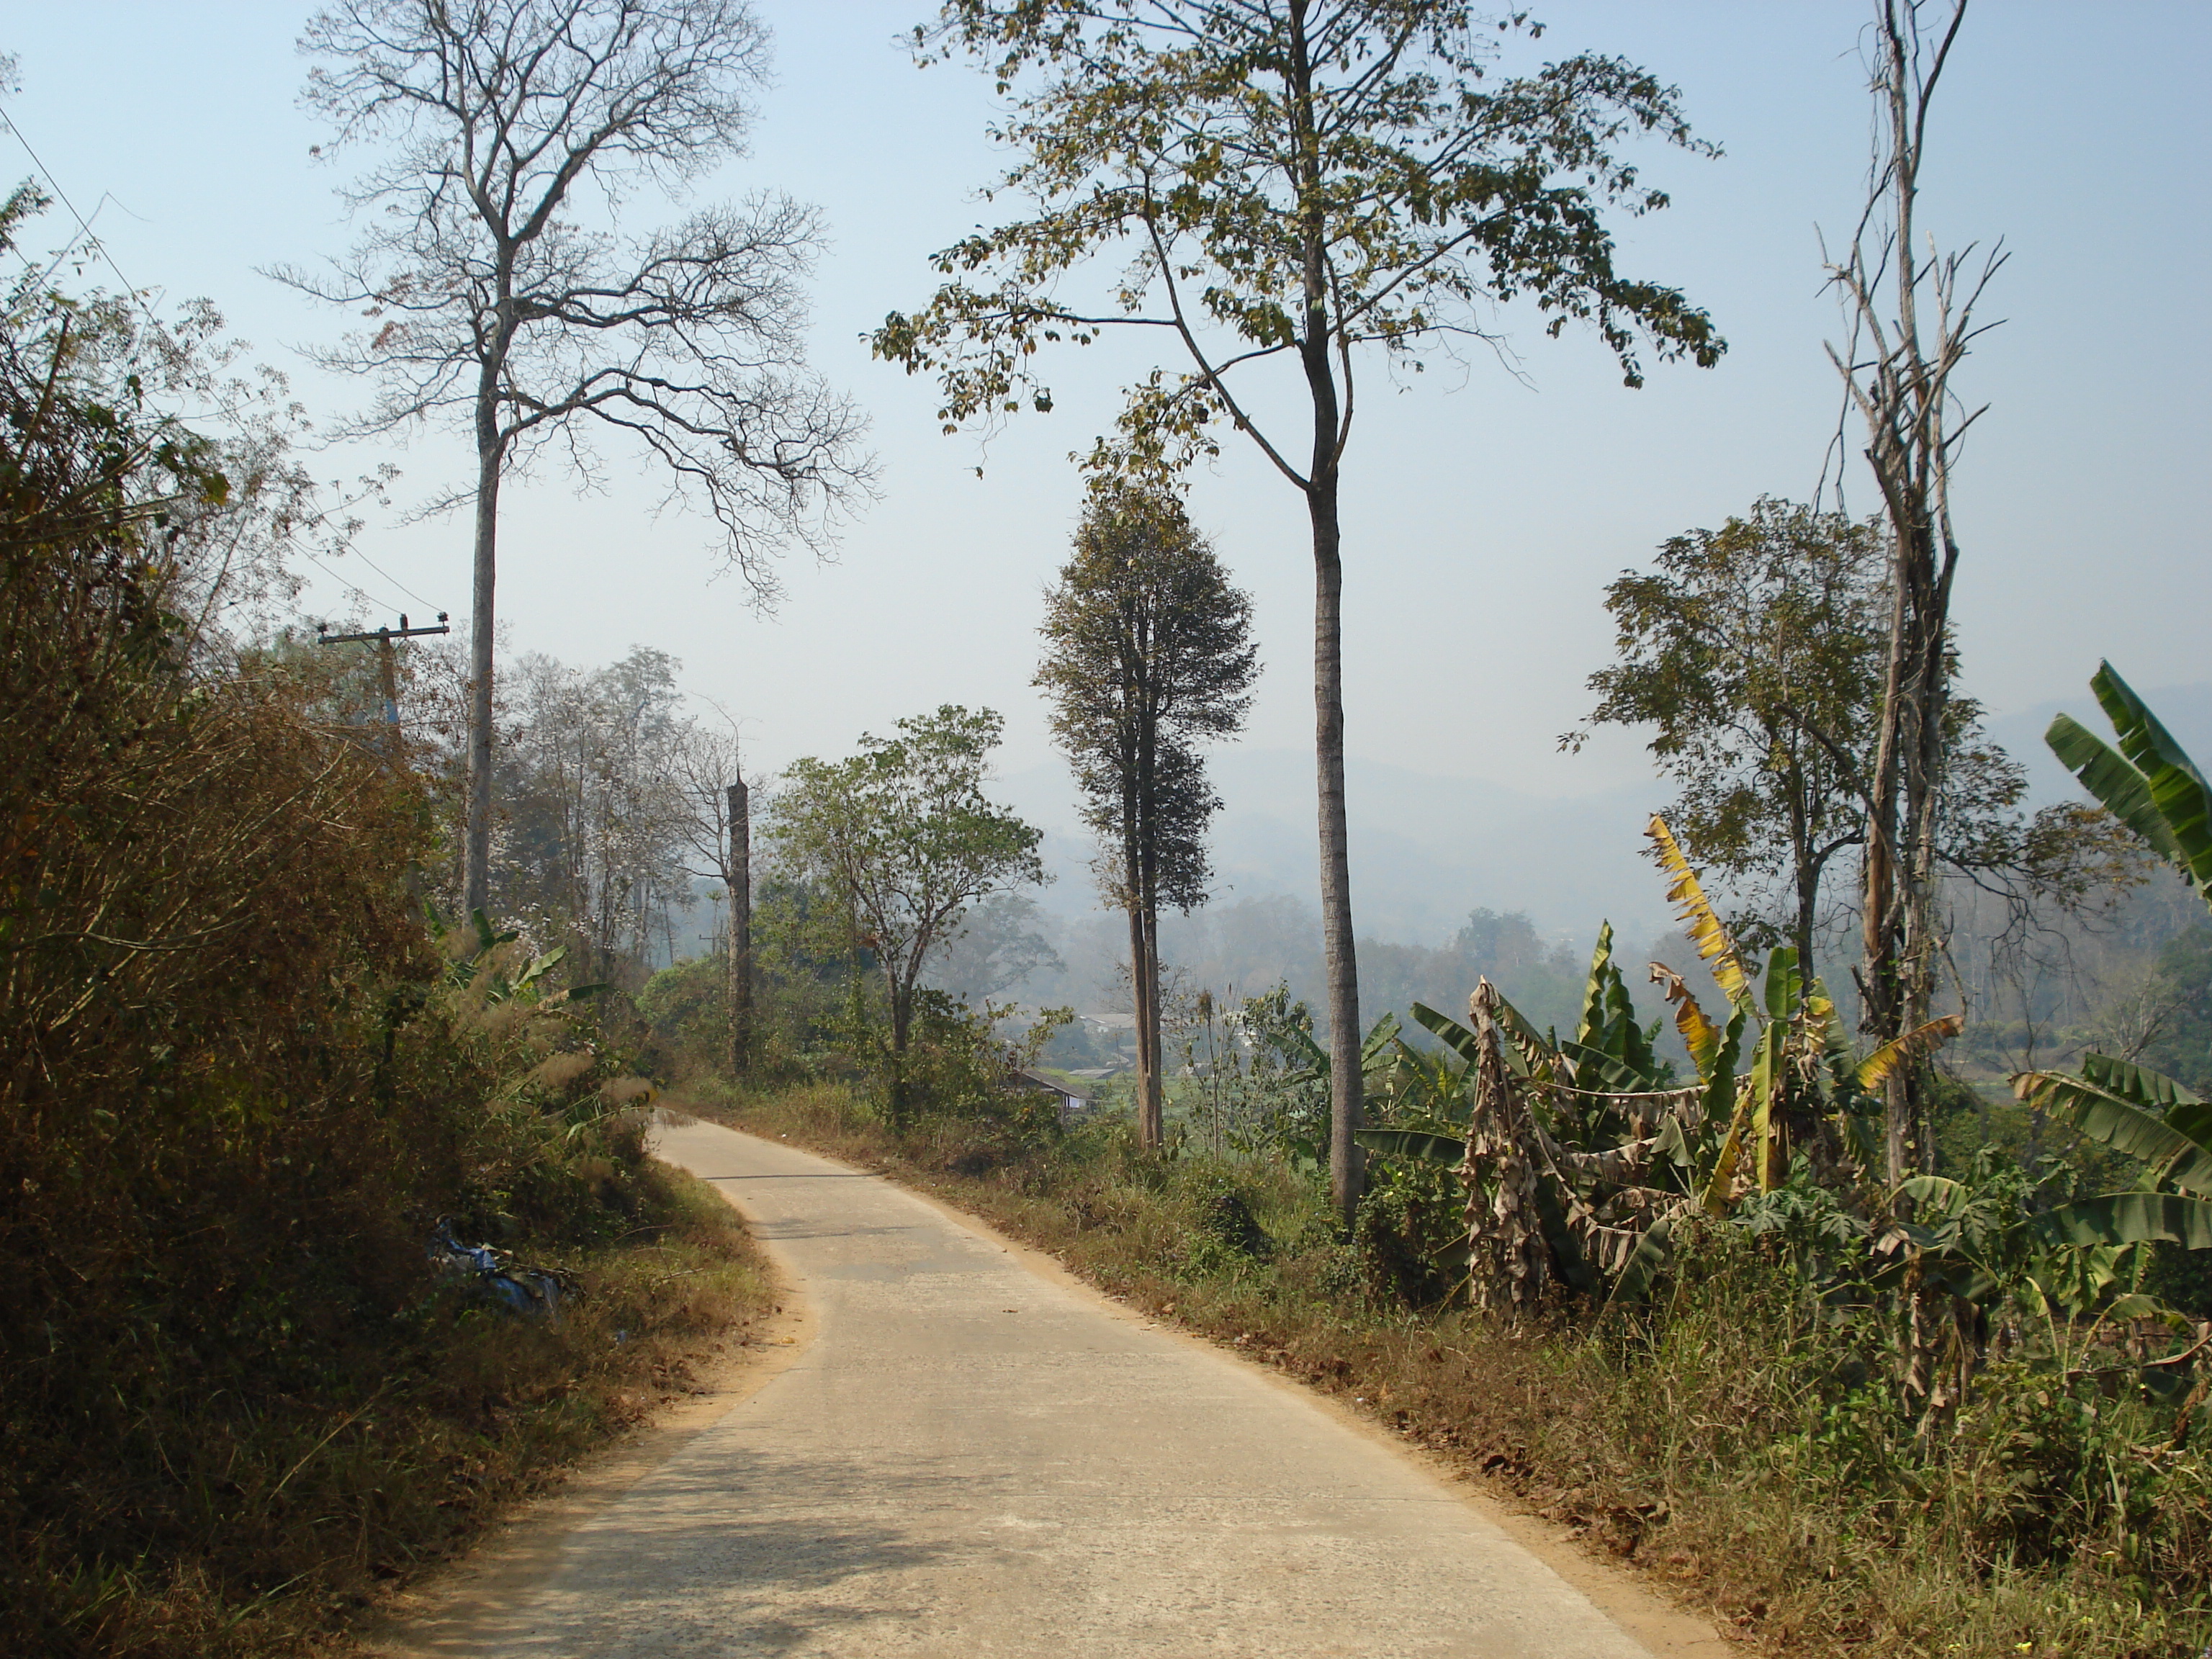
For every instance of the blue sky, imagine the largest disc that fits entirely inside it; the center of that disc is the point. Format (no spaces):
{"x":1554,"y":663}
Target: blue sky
{"x":1483,"y":515}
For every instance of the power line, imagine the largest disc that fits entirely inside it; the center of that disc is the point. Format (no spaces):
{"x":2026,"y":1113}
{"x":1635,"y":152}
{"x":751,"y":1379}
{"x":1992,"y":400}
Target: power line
{"x":377,"y":600}
{"x":393,"y":579}
{"x":62,"y":196}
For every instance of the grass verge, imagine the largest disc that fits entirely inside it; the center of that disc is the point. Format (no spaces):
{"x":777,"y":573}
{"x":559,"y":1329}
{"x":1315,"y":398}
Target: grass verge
{"x":1724,"y":1453}
{"x":262,"y":1514}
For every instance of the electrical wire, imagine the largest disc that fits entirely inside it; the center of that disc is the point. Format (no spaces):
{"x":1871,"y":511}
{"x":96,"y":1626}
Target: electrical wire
{"x":377,"y":600}
{"x":62,"y":196}
{"x":389,"y":577}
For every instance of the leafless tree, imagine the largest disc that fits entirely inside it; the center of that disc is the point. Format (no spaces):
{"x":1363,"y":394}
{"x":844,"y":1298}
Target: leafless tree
{"x":717,"y":836}
{"x":493,"y":303}
{"x":1909,"y":322}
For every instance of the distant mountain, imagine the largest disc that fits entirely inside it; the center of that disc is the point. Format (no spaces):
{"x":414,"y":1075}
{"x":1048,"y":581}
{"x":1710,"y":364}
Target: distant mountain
{"x":1425,"y":849}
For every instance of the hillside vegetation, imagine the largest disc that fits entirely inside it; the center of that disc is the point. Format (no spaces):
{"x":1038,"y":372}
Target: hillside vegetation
{"x":241,"y":1083}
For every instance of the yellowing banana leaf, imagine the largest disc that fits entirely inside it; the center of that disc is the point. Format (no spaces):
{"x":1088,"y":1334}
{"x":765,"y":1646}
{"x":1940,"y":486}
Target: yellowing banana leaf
{"x":1700,"y":1035}
{"x":1715,"y":1197}
{"x":1901,"y":1051}
{"x":1705,"y":928}
{"x":1766,"y":1126}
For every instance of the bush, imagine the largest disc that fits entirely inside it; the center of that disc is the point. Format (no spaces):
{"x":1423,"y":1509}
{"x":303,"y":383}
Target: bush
{"x":238,"y":1086}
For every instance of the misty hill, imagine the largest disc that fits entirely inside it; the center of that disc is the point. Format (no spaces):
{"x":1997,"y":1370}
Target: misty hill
{"x":1425,"y":849}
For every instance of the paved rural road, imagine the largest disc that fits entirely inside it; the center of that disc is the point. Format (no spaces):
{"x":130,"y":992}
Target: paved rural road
{"x":975,"y":1456}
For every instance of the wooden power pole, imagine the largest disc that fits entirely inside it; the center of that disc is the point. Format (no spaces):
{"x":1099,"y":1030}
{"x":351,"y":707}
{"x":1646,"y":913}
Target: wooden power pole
{"x":741,"y":927}
{"x":387,"y":666}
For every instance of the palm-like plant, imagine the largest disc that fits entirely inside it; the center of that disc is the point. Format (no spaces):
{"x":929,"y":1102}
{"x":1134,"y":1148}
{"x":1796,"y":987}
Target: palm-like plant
{"x":2150,"y":784}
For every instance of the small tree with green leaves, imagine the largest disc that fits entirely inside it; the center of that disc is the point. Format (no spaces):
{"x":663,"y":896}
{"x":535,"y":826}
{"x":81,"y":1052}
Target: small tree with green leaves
{"x":1148,"y":653}
{"x":905,"y":838}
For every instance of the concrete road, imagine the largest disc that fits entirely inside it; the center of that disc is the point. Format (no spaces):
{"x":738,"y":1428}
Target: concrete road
{"x":975,"y":1457}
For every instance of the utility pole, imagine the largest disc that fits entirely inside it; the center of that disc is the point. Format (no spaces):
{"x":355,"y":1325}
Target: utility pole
{"x":741,"y":927}
{"x":387,"y":664}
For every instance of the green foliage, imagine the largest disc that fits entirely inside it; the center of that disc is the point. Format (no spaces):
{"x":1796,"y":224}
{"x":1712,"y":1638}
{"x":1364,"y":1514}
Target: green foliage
{"x":901,"y":840}
{"x":1756,"y":652}
{"x":1147,"y":653}
{"x":2150,"y":784}
{"x":1390,"y":154}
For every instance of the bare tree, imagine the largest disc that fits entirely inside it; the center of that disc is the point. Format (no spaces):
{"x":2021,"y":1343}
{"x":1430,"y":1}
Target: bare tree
{"x":717,"y":834}
{"x":494,"y":304}
{"x":1909,"y":323}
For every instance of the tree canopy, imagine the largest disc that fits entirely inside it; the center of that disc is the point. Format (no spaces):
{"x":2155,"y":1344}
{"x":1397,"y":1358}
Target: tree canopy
{"x":905,"y":837}
{"x":496,"y":303}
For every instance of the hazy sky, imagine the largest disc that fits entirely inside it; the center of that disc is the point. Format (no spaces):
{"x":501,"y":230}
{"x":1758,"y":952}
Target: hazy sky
{"x":1483,"y":515}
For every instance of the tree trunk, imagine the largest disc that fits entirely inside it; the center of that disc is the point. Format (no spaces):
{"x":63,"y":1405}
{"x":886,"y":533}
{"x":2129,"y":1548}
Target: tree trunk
{"x":1143,"y":983}
{"x":1878,"y":972}
{"x":741,"y":927}
{"x":476,"y":886}
{"x":1156,"y":1089}
{"x":1346,"y":1166}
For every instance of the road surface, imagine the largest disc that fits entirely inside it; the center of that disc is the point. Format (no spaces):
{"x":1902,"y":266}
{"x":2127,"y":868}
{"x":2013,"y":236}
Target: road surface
{"x":972,"y":1456}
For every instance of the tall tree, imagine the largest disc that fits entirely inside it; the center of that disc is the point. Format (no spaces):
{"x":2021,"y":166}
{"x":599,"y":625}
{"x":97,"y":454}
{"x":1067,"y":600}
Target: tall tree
{"x":706,"y":764}
{"x":1148,"y":653}
{"x":905,"y":835}
{"x":496,"y":304}
{"x":1295,"y":180}
{"x":1909,"y":321}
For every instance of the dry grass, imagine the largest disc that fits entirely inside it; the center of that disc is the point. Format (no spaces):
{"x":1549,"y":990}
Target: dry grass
{"x":1721,"y":1456}
{"x":263,"y":1518}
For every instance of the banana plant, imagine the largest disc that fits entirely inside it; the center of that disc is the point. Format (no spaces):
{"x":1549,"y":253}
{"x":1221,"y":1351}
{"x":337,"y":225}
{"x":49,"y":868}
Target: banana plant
{"x":2149,"y":784}
{"x":1590,"y":1141}
{"x":484,"y":965}
{"x":2149,"y":1117}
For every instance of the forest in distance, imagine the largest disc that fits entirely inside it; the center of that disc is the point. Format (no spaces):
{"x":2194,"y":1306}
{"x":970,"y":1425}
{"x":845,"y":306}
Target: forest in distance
{"x":2120,"y":972}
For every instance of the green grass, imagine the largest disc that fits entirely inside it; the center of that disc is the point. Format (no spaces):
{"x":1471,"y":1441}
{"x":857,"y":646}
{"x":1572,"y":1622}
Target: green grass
{"x":1732,"y":1454}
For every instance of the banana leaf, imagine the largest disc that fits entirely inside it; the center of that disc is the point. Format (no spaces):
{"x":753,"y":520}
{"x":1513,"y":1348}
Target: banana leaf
{"x":2177,"y":789}
{"x":2102,"y":1115}
{"x":1453,"y":1035}
{"x":2124,"y":792}
{"x":1700,"y":1035}
{"x":1593,"y":1017}
{"x":1419,"y":1144}
{"x":1899,"y":1051}
{"x":1707,"y":932}
{"x":2137,"y":1083}
{"x":1653,"y":1255}
{"x":2131,"y":1218}
{"x":1766,"y":1078}
{"x":1566,"y":1249}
